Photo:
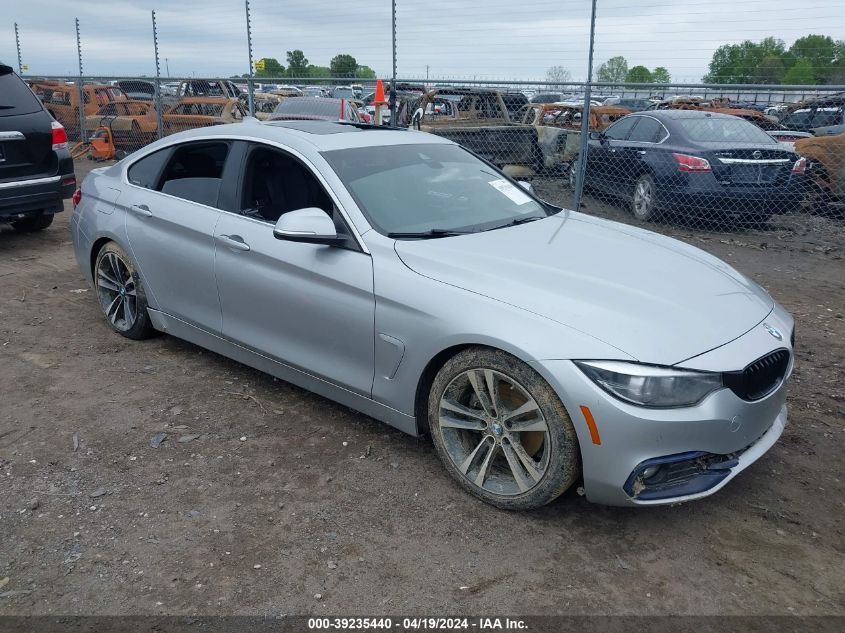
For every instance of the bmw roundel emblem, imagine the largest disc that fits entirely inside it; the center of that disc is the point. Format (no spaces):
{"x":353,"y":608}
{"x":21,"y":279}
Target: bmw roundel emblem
{"x":773,"y":331}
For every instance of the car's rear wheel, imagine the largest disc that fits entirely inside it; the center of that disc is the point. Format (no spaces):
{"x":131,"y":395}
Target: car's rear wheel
{"x":501,"y":431}
{"x":644,"y":199}
{"x":33,"y":223}
{"x":121,"y":293}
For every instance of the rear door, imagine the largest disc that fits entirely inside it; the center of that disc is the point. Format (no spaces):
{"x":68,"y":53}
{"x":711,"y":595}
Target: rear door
{"x":26,"y":136}
{"x":633,"y":157}
{"x":603,"y":158}
{"x":171,"y":211}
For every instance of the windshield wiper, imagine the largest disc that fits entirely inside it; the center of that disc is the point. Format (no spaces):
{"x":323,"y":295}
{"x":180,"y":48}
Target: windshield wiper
{"x":519,"y":220}
{"x":429,"y":234}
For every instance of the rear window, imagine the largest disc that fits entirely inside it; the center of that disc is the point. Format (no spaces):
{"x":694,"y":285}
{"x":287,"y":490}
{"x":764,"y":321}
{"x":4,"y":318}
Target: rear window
{"x":15,"y":96}
{"x":723,"y":130}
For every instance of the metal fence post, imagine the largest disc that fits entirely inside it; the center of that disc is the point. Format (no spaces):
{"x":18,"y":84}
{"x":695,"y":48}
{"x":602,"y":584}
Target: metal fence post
{"x":392,"y":97}
{"x":159,"y":122}
{"x":585,"y":116}
{"x":81,"y":85}
{"x":18,"y":44}
{"x":250,"y":84}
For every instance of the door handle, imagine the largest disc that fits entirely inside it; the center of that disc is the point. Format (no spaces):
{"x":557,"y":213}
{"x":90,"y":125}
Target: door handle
{"x":141,"y":210}
{"x":235,"y":242}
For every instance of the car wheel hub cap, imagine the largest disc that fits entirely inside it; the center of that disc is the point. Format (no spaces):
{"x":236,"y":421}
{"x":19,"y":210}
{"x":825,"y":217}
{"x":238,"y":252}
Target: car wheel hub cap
{"x":494,"y":432}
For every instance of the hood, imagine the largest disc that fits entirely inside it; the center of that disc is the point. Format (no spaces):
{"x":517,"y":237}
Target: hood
{"x":655,"y":298}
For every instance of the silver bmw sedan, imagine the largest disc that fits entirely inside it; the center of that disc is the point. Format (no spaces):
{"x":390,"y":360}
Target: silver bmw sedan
{"x":403,"y":276}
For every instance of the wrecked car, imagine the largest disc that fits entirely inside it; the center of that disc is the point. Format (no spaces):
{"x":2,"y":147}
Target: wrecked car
{"x":62,"y":101}
{"x":477,"y":119}
{"x":826,"y":156}
{"x":197,"y":112}
{"x":822,"y":116}
{"x":559,"y":128}
{"x":132,"y":123}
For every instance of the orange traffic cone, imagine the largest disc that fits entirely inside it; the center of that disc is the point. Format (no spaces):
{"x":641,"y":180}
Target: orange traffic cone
{"x":379,"y":100}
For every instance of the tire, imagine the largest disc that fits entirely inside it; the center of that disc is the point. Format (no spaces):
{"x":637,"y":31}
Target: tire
{"x":33,"y":223}
{"x":479,"y":442}
{"x":644,"y":199}
{"x":125,"y":310}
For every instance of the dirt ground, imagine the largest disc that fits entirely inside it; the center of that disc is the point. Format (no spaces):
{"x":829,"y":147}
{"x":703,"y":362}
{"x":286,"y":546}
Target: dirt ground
{"x":263,"y":495}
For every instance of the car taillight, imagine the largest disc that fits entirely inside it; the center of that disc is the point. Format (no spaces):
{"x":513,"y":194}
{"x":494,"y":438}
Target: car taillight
{"x":800,"y":166}
{"x":59,"y":135}
{"x":77,"y":196}
{"x":688,"y":163}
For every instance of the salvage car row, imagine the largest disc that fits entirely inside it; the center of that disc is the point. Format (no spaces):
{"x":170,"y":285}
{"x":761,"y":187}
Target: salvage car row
{"x":541,"y":137}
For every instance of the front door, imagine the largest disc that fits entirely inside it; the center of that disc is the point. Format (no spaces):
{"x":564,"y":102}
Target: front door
{"x":307,"y":305}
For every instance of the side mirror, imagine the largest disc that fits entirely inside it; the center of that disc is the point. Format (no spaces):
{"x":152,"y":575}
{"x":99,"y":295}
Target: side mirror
{"x":596,"y":136}
{"x":526,"y":185}
{"x":310,"y":225}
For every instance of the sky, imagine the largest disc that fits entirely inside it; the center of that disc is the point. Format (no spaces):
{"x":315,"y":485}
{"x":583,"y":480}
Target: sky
{"x":466,"y":39}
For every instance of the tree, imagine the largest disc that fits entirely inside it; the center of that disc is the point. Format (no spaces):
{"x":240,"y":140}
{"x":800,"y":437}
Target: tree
{"x":821,"y":52}
{"x":272,"y":68}
{"x":556,"y":76}
{"x":365,"y":72}
{"x":740,"y":63}
{"x":800,"y":73}
{"x":771,"y":70}
{"x":614,"y":69}
{"x":639,"y":75}
{"x":297,"y":64}
{"x":343,"y":65}
{"x":660,"y":75}
{"x":318,"y":71}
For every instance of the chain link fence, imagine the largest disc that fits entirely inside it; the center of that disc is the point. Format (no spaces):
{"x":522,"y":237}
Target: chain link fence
{"x":671,"y":156}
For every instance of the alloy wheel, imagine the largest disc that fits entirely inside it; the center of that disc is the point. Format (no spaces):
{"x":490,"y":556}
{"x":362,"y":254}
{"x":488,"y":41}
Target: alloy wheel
{"x":643,"y":198}
{"x":117,"y":291}
{"x":494,"y":432}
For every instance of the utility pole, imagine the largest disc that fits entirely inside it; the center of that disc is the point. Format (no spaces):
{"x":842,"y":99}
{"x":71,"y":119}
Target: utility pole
{"x":167,"y":66}
{"x":392,"y":97}
{"x":250,"y":84}
{"x":159,"y":123}
{"x":80,"y":85}
{"x":426,"y":76}
{"x":18,"y":44}
{"x":585,"y":116}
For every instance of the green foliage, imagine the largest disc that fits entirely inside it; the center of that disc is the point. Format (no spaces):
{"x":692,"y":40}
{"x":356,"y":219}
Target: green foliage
{"x":614,"y":69}
{"x":365,"y":72}
{"x":343,"y":65}
{"x":800,"y":73}
{"x":639,"y":75}
{"x":318,"y":71}
{"x":297,"y":64}
{"x":660,"y":75}
{"x":813,"y":59}
{"x":272,"y":68}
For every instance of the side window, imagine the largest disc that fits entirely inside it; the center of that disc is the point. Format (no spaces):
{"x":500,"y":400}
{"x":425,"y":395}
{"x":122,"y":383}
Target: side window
{"x":146,"y":171}
{"x":619,"y":130}
{"x":646,"y":131}
{"x":194,"y":172}
{"x":275,"y":183}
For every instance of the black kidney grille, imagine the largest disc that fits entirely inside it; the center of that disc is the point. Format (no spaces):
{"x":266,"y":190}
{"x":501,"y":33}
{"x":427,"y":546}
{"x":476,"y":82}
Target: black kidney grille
{"x":761,"y":377}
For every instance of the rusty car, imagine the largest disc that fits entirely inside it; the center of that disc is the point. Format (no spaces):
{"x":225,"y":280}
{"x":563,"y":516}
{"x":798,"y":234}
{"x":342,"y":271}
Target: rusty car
{"x":826,"y":156}
{"x":478,"y":119}
{"x":132,"y":123}
{"x":194,"y":112}
{"x":61,"y":100}
{"x":558,"y":128}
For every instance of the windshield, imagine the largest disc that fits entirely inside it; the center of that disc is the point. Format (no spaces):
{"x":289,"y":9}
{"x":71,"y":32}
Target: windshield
{"x":437,"y":187}
{"x":723,"y":130}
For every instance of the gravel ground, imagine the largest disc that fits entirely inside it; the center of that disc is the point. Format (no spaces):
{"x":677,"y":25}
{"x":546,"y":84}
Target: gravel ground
{"x":265,"y":499}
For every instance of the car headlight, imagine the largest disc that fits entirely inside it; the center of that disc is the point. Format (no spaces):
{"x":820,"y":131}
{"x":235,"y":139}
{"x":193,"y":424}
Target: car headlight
{"x":651,"y":386}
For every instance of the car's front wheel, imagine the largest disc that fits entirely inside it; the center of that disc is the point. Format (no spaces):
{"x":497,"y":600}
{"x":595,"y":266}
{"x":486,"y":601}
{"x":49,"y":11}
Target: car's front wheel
{"x":121,"y":293}
{"x":501,"y":431}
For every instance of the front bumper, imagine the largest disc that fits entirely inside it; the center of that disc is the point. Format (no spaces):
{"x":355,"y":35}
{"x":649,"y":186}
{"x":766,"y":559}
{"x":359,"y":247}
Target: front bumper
{"x":716,"y":439}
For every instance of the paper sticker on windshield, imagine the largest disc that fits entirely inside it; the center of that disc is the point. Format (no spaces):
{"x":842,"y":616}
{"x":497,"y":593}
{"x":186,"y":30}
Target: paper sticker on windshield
{"x":516,"y":194}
